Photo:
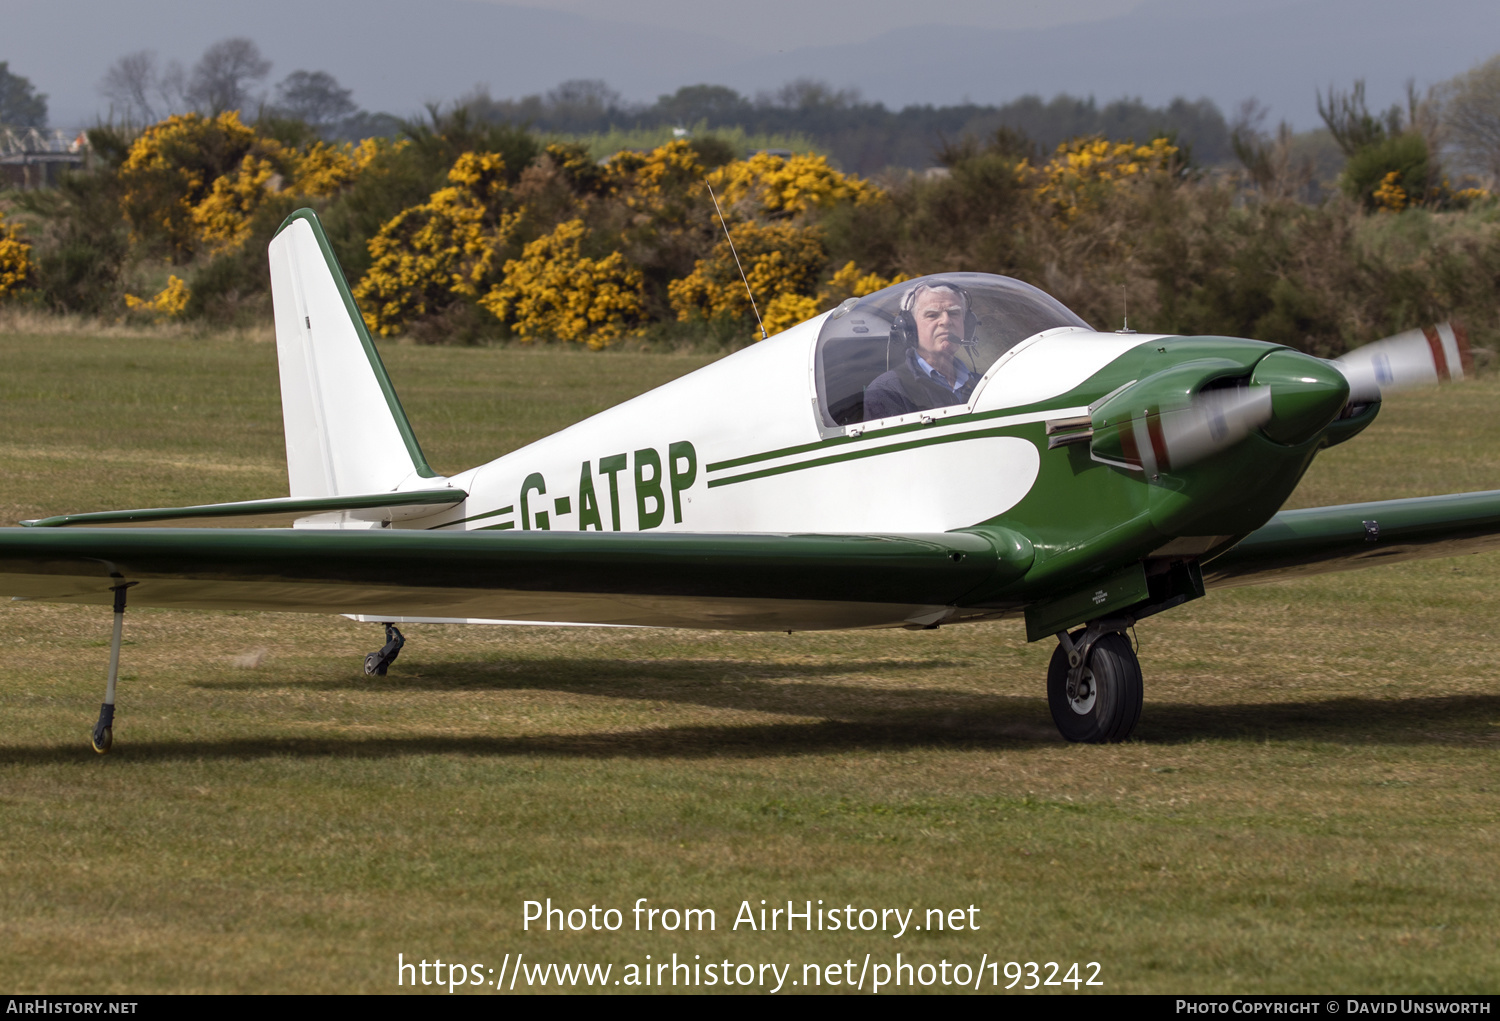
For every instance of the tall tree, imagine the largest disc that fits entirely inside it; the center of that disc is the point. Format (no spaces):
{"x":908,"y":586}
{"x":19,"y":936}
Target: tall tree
{"x":141,"y":91}
{"x":21,"y":106}
{"x":314,"y":97}
{"x":1472,"y":119}
{"x":223,"y":77}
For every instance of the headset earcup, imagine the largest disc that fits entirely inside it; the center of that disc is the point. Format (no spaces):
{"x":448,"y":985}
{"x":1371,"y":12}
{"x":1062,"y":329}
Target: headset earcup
{"x":904,"y":329}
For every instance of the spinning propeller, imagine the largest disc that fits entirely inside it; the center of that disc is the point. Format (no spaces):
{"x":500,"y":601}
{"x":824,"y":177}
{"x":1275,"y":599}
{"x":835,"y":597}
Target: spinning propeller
{"x":1195,"y":409}
{"x":1436,"y":354}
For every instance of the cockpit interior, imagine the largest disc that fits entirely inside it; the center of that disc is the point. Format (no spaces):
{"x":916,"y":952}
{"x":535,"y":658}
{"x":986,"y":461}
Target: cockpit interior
{"x":924,"y":343}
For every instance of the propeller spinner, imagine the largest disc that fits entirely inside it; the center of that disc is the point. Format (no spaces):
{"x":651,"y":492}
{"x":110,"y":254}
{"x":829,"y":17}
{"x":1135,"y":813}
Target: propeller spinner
{"x":1182,"y":415}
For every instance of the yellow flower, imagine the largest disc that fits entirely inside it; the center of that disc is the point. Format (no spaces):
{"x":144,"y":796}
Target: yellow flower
{"x":787,"y":310}
{"x":1085,"y":169}
{"x":1390,"y":197}
{"x":324,"y":170}
{"x":431,"y":255}
{"x":15,"y":260}
{"x":852,"y":282}
{"x":553,"y":290}
{"x":173,"y":166}
{"x":223,"y":218}
{"x":170,"y":302}
{"x":767,"y":185}
{"x":780,"y":261}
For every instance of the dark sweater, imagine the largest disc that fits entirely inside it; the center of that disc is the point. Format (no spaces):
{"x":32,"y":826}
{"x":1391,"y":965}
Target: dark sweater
{"x":907,"y":388}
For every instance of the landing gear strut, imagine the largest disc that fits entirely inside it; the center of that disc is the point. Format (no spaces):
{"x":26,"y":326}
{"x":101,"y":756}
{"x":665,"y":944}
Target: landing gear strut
{"x":377,"y":663}
{"x":1094,"y":685}
{"x":103,"y":738}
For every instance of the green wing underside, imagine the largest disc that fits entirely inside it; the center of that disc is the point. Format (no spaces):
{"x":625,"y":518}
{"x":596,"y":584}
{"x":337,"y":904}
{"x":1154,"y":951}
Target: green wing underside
{"x":1322,"y":539}
{"x":757,"y":582}
{"x":754,"y":582}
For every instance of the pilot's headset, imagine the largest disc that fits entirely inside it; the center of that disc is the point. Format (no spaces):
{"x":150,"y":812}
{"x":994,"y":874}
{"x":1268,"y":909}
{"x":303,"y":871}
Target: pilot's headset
{"x":904,"y":327}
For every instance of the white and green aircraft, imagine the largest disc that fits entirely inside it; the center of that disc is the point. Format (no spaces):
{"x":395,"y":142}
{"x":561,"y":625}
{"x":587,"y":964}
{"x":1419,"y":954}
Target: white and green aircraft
{"x":955,"y":448}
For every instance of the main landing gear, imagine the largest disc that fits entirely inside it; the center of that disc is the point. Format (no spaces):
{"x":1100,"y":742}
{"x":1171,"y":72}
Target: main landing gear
{"x":377,"y":663}
{"x":103,"y":738}
{"x":1094,"y":684}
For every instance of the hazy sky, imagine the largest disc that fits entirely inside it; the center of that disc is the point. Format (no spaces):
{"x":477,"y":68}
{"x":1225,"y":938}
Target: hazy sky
{"x":777,"y":24}
{"x":397,"y":55}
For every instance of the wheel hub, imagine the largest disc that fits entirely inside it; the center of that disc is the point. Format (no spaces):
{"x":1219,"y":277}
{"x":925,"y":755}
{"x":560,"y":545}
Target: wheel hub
{"x":1081,"y":691}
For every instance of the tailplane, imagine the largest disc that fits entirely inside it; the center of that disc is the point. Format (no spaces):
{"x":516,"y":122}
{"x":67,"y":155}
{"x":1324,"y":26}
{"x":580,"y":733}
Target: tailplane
{"x":346,"y":432}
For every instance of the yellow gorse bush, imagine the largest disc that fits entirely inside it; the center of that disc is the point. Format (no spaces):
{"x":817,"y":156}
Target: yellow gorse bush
{"x":787,"y":309}
{"x":782,"y":262}
{"x":15,"y":260}
{"x":769,"y":186}
{"x":1390,"y":197}
{"x":324,"y":170}
{"x":1083,"y":170}
{"x":223,"y":218}
{"x":553,"y":290}
{"x":852,"y":282}
{"x":446,"y":249}
{"x":192,"y":178}
{"x":173,"y":166}
{"x":171,"y":301}
{"x":645,"y":179}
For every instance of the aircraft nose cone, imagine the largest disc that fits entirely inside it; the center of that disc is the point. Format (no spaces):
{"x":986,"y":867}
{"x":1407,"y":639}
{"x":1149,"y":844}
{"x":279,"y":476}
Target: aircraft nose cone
{"x":1307,"y":394}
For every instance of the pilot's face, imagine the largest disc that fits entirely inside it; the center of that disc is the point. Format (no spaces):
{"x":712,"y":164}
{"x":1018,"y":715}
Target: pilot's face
{"x":940,"y":323}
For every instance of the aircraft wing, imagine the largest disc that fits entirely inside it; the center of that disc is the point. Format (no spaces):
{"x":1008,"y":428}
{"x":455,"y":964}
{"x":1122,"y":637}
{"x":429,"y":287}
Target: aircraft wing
{"x":1320,"y":539}
{"x":749,"y":582}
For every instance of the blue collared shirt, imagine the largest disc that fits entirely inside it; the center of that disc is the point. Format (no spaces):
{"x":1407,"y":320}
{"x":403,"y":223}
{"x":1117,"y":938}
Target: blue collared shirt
{"x":956,"y":387}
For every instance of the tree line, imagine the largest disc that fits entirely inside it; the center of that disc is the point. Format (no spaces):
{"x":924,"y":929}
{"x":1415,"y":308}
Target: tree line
{"x":469,"y":225}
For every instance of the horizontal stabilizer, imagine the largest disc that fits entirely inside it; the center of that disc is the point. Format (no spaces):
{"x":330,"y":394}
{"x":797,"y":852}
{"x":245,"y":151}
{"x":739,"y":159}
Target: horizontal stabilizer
{"x":276,"y":512}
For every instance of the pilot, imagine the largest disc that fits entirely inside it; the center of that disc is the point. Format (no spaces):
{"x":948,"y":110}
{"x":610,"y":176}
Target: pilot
{"x":931,"y":374}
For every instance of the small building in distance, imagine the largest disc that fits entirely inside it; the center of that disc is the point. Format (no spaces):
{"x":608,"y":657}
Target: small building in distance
{"x":30,"y":158}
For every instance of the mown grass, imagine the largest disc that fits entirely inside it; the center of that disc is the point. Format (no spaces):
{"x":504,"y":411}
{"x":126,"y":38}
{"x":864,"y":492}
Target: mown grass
{"x":1311,"y":803}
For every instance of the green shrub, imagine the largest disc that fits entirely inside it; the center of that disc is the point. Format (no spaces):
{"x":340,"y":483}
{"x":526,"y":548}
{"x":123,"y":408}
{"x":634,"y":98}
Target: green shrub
{"x":1404,"y":155}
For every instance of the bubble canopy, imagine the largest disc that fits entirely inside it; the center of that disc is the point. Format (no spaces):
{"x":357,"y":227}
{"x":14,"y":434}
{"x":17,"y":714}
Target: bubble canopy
{"x":925,"y":343}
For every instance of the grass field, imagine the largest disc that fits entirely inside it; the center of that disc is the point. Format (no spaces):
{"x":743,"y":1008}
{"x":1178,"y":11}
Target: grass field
{"x":1311,"y":804}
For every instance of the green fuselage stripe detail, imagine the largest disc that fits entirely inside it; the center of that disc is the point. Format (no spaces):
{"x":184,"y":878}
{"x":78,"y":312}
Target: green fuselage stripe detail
{"x":508,"y":509}
{"x":403,"y":425}
{"x":1072,"y":399}
{"x":853,"y":455}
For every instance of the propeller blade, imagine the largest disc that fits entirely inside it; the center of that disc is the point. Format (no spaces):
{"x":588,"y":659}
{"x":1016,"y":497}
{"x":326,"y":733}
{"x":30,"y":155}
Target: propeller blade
{"x":1159,"y":440}
{"x":1436,"y":354}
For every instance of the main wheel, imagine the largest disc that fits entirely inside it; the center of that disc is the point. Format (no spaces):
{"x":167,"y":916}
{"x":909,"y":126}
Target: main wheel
{"x":1104,"y":704}
{"x":373,"y":666}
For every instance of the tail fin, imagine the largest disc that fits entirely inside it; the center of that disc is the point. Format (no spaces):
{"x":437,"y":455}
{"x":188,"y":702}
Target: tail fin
{"x":345,"y":429}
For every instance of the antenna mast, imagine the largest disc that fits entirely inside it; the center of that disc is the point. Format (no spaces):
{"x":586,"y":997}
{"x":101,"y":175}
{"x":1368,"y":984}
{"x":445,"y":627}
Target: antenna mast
{"x":1125,"y":305}
{"x":737,"y":265}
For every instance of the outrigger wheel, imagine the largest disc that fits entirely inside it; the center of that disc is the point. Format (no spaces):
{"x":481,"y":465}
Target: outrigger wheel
{"x":1094,"y":686}
{"x":377,"y":663}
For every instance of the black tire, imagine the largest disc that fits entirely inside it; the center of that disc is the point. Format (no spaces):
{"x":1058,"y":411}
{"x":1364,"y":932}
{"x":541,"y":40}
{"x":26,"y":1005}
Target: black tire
{"x":373,"y":666}
{"x":1108,"y":706}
